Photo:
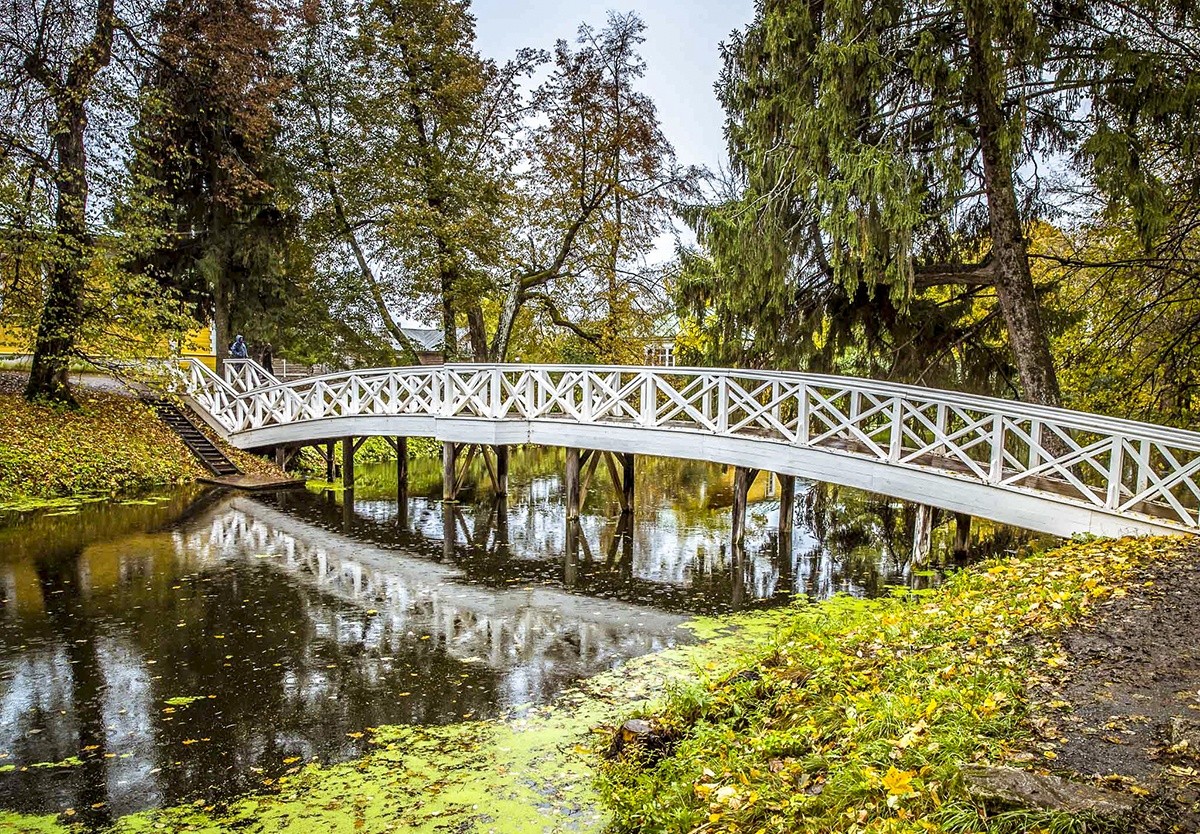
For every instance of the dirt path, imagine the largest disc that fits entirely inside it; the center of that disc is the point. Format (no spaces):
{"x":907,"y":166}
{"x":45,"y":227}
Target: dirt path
{"x":1128,"y":701}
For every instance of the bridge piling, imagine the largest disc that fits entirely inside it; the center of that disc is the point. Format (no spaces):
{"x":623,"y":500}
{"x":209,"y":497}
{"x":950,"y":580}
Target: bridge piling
{"x":348,"y":450}
{"x":401,"y":444}
{"x":627,"y":482}
{"x":787,"y":505}
{"x":922,"y":535}
{"x":330,"y":463}
{"x":573,"y":484}
{"x":449,"y":481}
{"x":962,"y":534}
{"x":501,"y":470}
{"x":743,"y":479}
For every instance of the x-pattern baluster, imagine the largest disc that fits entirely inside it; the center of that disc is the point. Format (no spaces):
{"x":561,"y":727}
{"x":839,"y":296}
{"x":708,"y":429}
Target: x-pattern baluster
{"x":763,"y":414}
{"x":612,"y":396}
{"x":1161,"y":487}
{"x":840,"y":423}
{"x":681,"y":401}
{"x":948,"y":440}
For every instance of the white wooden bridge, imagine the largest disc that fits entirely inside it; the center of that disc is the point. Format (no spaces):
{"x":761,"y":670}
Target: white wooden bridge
{"x":1045,"y":469}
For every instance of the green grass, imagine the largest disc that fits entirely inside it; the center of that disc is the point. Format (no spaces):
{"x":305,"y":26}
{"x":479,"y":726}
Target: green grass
{"x":858,"y":715}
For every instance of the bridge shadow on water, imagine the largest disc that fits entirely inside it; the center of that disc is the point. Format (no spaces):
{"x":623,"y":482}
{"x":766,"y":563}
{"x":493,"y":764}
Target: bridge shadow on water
{"x":198,"y":646}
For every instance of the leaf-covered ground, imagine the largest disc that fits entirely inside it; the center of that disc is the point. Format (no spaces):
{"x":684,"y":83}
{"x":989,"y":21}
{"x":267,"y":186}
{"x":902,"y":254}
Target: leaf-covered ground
{"x":112,"y":445}
{"x":859,"y":715}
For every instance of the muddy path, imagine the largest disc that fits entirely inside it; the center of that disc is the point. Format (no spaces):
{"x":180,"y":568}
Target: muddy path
{"x":1125,"y":706}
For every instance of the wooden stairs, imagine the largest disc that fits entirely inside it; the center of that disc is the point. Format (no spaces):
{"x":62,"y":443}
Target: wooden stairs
{"x":204,"y":449}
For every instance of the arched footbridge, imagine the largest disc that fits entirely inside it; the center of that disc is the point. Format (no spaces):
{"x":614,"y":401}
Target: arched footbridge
{"x":1046,"y":469}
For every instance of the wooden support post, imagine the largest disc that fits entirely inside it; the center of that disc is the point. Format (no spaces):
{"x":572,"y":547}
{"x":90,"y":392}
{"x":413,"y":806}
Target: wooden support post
{"x":348,"y":449}
{"x":737,"y":569}
{"x":502,"y":470}
{"x":962,"y":534}
{"x":402,"y":481}
{"x":627,"y":482}
{"x":787,"y":505}
{"x":449,"y":475}
{"x":501,"y":539}
{"x":571,"y":556}
{"x":743,"y":478}
{"x":922,"y":535}
{"x":587,"y":462}
{"x":449,"y":529}
{"x":573,"y":484}
{"x":330,"y":462}
{"x":281,"y":456}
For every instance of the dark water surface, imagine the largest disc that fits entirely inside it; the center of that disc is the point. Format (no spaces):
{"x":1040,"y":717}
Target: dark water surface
{"x":193,"y":645}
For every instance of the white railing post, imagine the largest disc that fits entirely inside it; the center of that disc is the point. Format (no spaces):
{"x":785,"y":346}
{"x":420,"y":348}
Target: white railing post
{"x":649,"y":404}
{"x":585,"y":405}
{"x":1143,"y":464}
{"x":723,"y":403}
{"x":803,"y":418}
{"x":1115,"y":470}
{"x":996,"y":470}
{"x":496,"y":410}
{"x":896,"y":436}
{"x":1035,"y":444}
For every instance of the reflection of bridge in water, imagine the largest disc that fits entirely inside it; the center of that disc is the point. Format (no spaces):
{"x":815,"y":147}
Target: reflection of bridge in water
{"x":527,"y":632}
{"x":1045,"y":469}
{"x":291,"y":639}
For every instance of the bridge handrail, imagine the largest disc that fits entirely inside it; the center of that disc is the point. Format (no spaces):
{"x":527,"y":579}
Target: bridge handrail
{"x":1017,"y":408}
{"x":1104,"y":462}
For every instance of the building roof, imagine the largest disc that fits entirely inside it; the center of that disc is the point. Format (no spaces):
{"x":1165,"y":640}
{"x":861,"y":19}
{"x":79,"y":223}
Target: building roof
{"x":428,"y":339}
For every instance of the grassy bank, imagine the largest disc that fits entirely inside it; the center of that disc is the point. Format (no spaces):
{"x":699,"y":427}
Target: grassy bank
{"x":112,"y":444}
{"x":858,"y":716}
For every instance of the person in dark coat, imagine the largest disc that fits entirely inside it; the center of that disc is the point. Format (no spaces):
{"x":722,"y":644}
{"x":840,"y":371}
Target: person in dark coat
{"x":238,"y":349}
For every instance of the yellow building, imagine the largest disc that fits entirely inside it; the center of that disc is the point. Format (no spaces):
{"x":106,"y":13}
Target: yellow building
{"x":15,"y":344}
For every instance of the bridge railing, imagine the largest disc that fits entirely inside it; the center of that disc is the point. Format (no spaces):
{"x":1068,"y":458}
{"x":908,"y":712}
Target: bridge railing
{"x":1115,"y":465}
{"x":247,"y":375}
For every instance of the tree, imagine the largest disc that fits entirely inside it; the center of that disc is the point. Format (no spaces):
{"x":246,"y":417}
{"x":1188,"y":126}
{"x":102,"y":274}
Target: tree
{"x":206,"y":171}
{"x":900,"y":145}
{"x":408,"y":132}
{"x":597,"y":189}
{"x":53,"y":55}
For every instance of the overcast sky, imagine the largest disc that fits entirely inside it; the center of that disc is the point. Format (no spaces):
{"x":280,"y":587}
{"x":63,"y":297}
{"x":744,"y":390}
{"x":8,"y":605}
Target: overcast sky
{"x":680,"y":51}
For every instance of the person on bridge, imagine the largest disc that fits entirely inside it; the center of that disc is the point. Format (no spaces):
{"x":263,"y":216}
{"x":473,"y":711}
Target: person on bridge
{"x":238,"y":349}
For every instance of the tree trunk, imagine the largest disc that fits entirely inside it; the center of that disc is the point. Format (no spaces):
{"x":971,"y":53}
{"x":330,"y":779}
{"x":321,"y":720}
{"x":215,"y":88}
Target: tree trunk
{"x":449,"y":329}
{"x":477,"y":330}
{"x":508,"y":318}
{"x":222,"y":318}
{"x":1014,"y":283}
{"x":62,"y":310}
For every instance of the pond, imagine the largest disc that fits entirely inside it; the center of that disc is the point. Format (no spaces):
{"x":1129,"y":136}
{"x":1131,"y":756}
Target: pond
{"x":195,"y":644}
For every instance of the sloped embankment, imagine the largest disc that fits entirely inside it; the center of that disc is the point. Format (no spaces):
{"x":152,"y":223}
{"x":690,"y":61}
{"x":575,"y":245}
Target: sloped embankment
{"x":113,"y":444}
{"x":921,"y":712}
